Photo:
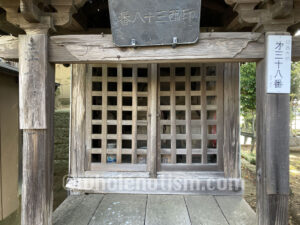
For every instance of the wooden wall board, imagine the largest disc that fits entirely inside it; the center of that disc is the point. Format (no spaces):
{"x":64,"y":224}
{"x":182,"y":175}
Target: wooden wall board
{"x":9,"y":145}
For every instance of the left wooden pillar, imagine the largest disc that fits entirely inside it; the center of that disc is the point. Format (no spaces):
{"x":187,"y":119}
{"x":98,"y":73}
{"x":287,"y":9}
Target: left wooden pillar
{"x":36,"y":95}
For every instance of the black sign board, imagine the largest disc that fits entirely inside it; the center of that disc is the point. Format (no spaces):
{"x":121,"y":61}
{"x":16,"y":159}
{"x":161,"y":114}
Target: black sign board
{"x":154,"y":22}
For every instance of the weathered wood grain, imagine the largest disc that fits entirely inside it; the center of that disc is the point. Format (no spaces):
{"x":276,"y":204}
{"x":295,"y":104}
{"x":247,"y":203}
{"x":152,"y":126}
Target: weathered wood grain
{"x":231,"y":149}
{"x":30,"y":11}
{"x":77,"y":210}
{"x":272,"y":152}
{"x":78,"y":120}
{"x":9,"y":47}
{"x":87,"y":104}
{"x":119,"y":113}
{"x":236,"y":210}
{"x":153,"y":122}
{"x":37,"y":175}
{"x":204,"y":210}
{"x":117,"y":209}
{"x":36,"y":193}
{"x":215,"y":47}
{"x":166,"y":210}
{"x":104,"y":116}
{"x":220,"y":114}
{"x":278,"y":209}
{"x":173,"y":114}
{"x":36,"y":92}
{"x":203,"y":116}
{"x":134,"y":114}
{"x":188,"y":116}
{"x":32,"y":79}
{"x":261,"y":196}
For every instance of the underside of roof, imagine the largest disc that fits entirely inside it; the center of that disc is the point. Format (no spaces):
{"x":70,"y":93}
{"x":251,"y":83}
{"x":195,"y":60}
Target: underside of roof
{"x":92,"y":16}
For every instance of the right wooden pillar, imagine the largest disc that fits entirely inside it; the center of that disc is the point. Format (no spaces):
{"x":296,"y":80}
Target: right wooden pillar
{"x":272,"y":159}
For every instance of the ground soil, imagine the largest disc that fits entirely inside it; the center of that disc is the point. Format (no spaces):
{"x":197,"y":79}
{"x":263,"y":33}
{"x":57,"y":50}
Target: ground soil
{"x":249,"y":176}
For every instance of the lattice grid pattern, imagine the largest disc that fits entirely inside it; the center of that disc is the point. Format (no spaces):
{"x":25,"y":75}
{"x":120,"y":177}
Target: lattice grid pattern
{"x":118,"y":124}
{"x":190,"y":116}
{"x":188,"y":104}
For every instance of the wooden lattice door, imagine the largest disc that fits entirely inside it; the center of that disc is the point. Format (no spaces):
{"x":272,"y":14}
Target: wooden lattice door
{"x":190,"y":117}
{"x":117,"y":117}
{"x":190,"y":102}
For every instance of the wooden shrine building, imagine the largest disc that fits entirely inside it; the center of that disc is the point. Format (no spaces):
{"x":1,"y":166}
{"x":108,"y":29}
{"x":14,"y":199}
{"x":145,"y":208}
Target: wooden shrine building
{"x":149,"y":115}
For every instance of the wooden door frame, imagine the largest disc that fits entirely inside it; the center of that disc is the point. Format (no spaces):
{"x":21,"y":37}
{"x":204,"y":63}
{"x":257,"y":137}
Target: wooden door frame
{"x":153,"y":147}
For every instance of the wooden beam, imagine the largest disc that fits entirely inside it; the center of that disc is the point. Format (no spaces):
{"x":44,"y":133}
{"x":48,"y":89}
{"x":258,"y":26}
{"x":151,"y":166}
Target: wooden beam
{"x":95,"y":48}
{"x":9,"y":47}
{"x":8,"y":27}
{"x":272,"y":158}
{"x":214,"y":47}
{"x":36,"y":118}
{"x":231,"y":149}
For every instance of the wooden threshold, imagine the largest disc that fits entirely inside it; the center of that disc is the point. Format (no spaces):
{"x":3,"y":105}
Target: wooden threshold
{"x":161,"y":185}
{"x":118,"y":167}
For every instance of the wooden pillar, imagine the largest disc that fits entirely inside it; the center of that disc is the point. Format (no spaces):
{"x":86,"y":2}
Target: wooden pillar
{"x":36,"y":95}
{"x":231,"y":150}
{"x":272,"y":152}
{"x":78,"y":159}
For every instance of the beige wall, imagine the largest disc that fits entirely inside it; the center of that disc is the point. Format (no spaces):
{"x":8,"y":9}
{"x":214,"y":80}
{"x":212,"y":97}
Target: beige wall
{"x":9,"y":145}
{"x":63,"y":77}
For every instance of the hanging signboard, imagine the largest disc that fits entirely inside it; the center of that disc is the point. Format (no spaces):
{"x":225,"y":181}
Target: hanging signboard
{"x":278,"y":62}
{"x":155,"y":22}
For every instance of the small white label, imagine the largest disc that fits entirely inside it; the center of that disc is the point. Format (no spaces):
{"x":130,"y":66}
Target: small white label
{"x":278,"y":62}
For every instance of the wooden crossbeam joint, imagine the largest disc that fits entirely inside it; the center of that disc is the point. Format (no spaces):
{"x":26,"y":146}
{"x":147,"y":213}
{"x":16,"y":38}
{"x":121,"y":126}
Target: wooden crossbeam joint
{"x":20,"y":12}
{"x":30,"y":11}
{"x":278,"y":17}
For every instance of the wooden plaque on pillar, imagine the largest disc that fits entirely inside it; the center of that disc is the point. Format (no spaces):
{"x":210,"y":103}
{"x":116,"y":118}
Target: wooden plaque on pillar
{"x":33,"y":74}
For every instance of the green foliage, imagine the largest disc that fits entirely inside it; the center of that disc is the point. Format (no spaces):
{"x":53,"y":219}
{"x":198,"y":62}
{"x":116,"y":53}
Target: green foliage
{"x":250,"y":157}
{"x":248,"y":92}
{"x":248,"y":88}
{"x":295,"y":81}
{"x":248,"y":96}
{"x":295,"y":92}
